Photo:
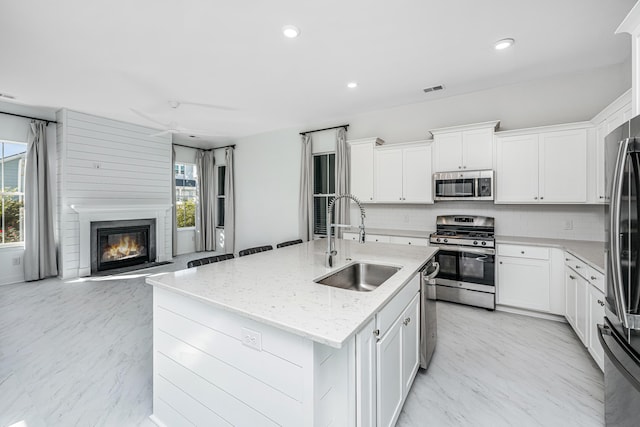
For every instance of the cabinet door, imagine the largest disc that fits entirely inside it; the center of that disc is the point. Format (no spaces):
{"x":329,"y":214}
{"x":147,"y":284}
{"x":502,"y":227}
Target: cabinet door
{"x":416,"y":175}
{"x":388,"y":172}
{"x":596,"y":315}
{"x":375,"y":238}
{"x":390,"y":384}
{"x":524,"y":283}
{"x":582,"y":314}
{"x":517,"y":169}
{"x":571,"y":289}
{"x":362,"y":171}
{"x":563,"y":166}
{"x":350,"y":236}
{"x":410,"y":343}
{"x":366,"y":375}
{"x":447,"y":152}
{"x":477,"y":149}
{"x":601,"y":133}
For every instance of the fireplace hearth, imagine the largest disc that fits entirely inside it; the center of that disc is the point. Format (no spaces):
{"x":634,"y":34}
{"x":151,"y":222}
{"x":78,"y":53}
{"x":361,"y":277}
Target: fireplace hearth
{"x":123,"y":243}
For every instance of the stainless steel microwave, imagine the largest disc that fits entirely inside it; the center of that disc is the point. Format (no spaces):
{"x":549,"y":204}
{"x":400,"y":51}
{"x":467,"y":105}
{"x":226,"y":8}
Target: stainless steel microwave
{"x":467,"y":185}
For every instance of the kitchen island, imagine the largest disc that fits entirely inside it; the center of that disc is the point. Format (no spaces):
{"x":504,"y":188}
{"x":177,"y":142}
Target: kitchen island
{"x":255,"y":341}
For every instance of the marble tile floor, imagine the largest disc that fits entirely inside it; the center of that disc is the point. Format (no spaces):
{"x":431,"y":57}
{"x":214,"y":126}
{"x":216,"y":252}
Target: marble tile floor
{"x":78,"y":353}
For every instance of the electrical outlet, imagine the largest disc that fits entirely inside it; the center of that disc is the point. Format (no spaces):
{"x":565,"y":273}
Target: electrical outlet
{"x":568,"y":224}
{"x":15,"y":261}
{"x":252,"y":339}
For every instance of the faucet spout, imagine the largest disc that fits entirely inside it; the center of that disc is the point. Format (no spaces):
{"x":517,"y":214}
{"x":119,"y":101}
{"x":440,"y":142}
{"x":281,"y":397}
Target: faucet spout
{"x":331,"y":251}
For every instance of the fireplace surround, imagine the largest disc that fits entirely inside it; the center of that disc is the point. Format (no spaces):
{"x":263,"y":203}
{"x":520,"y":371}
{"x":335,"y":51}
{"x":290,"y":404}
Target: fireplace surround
{"x":122,"y":243}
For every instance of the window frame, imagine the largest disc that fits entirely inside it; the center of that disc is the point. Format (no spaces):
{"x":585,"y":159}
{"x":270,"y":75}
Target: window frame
{"x":177,"y":167}
{"x":328,"y":196}
{"x":20,"y":194}
{"x":221,"y":181}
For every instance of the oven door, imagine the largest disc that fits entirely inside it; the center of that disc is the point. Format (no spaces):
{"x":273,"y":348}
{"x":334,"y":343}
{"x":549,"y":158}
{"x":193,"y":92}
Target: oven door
{"x":477,"y":267}
{"x":448,"y":261}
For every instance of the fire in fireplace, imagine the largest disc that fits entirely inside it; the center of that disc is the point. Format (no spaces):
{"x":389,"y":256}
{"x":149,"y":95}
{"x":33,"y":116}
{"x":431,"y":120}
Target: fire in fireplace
{"x":118,"y":244}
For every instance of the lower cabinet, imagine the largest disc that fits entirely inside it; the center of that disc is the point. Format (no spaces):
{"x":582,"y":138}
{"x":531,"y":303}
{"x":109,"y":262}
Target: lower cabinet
{"x":585,"y":304}
{"x":387,"y":359}
{"x":524,"y":283}
{"x":397,"y":353}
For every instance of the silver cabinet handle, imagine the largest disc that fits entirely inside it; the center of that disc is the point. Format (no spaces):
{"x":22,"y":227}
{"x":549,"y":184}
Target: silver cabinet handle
{"x":567,"y":259}
{"x":593,"y":277}
{"x":522,"y":252}
{"x":407,"y":321}
{"x":601,"y":197}
{"x":376,"y":332}
{"x":577,"y":267}
{"x":541,"y":197}
{"x":535,"y":198}
{"x":464,"y":167}
{"x":572,"y":277}
{"x":459,"y":167}
{"x":600,"y":302}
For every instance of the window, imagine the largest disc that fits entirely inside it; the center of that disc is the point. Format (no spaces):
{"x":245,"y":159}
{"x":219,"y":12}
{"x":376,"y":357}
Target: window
{"x":220,"y":196}
{"x":324,"y":189}
{"x":13,"y":157}
{"x":186,"y":194}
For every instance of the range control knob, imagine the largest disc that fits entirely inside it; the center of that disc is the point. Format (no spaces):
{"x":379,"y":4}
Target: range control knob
{"x":437,"y":239}
{"x":446,"y":240}
{"x":475,"y":242}
{"x":484,"y":243}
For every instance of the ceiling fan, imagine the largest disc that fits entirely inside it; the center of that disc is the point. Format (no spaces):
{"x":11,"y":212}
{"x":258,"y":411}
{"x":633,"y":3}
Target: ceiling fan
{"x":172,"y":127}
{"x":175,"y":104}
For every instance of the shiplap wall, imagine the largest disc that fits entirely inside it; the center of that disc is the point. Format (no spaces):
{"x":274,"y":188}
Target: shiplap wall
{"x":103,"y":162}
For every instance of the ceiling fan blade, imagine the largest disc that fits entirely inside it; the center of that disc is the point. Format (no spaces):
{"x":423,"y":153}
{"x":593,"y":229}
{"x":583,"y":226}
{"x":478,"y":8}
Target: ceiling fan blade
{"x":151,"y":119}
{"x":195,"y":132}
{"x":205,"y":105}
{"x":164,"y":132}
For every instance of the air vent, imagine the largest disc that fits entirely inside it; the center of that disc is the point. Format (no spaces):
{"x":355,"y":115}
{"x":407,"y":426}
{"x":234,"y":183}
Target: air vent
{"x":433,"y":89}
{"x":7,"y":96}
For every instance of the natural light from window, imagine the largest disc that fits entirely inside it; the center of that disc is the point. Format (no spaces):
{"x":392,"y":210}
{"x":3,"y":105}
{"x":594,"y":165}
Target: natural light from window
{"x":13,"y":158}
{"x":186,"y":176}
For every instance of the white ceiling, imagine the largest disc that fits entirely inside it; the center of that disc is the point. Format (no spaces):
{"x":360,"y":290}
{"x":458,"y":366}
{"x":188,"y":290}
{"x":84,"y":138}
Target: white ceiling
{"x":140,"y":54}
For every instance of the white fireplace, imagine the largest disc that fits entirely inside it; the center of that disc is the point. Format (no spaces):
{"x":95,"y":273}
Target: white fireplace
{"x":88,"y":214}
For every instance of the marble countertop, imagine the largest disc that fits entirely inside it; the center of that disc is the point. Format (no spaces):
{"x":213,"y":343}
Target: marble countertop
{"x":277,"y":287}
{"x":591,"y":252}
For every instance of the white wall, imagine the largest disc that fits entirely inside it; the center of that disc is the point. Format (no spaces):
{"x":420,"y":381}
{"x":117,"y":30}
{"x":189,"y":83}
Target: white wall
{"x":16,"y":129}
{"x":267,"y":175}
{"x":267,"y":165}
{"x":103,"y":162}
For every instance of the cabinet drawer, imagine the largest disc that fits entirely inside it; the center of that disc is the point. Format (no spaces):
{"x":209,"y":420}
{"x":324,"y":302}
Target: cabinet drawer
{"x":350,"y":236}
{"x":519,"y":251}
{"x":578,"y":266}
{"x":376,"y":238}
{"x":596,"y":278}
{"x":397,"y":305}
{"x":409,"y":241}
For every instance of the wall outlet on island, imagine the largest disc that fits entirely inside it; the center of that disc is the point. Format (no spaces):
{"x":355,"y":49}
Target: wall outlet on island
{"x":252,"y":339}
{"x":568,"y":224}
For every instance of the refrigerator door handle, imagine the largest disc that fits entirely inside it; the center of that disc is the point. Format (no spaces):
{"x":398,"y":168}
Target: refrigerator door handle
{"x":608,"y":340}
{"x":614,"y":238}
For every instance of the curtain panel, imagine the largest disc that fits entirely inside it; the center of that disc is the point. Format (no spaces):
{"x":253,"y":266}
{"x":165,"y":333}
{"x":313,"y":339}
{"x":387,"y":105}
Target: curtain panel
{"x":205,"y":213}
{"x":40,"y":258}
{"x":305,"y":202}
{"x":342,"y":180}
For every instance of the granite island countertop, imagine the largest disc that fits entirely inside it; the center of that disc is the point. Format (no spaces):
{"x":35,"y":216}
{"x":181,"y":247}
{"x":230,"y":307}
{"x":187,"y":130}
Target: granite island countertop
{"x":277,"y":287}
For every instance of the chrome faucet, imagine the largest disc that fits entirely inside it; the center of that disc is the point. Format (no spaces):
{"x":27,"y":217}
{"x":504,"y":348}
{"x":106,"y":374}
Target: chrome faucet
{"x":331,"y":247}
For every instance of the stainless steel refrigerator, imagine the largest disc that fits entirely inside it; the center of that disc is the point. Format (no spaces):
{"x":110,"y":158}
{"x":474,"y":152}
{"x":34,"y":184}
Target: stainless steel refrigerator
{"x":620,"y":332}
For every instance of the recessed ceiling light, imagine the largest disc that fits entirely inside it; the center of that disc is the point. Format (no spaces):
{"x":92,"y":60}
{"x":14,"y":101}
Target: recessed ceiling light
{"x":290,"y":31}
{"x":503,"y":44}
{"x":352,"y":85}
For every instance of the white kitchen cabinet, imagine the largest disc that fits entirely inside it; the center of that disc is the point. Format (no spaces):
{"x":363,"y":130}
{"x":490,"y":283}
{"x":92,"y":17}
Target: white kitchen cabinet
{"x":612,"y":116}
{"x":543,"y":165}
{"x":362,"y":165}
{"x":367,"y":238}
{"x":524,"y":277}
{"x":398,"y":362}
{"x":571,"y":290}
{"x":466,"y":147}
{"x":418,"y":241}
{"x":577,"y":297}
{"x":596,"y":315}
{"x":410,"y":343}
{"x":366,"y":366}
{"x":403,"y":173}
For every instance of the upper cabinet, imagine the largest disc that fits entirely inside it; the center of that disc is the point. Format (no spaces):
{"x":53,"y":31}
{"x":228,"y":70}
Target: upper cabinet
{"x":615,"y":114}
{"x":362,"y":167}
{"x":467,"y":147}
{"x":542,"y":165}
{"x":403,"y":173}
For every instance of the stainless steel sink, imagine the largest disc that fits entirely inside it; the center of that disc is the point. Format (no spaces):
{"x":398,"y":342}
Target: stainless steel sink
{"x":361,"y":277}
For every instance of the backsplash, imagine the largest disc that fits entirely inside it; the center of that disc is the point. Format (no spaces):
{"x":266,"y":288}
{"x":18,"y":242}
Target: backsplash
{"x":550,"y":221}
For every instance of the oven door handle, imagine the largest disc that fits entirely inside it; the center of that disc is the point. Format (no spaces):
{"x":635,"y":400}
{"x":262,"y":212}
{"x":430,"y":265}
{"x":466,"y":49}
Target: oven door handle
{"x":482,"y":258}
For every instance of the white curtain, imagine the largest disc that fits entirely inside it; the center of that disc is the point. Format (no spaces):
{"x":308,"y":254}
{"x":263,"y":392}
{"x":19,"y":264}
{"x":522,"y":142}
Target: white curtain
{"x":205,"y":214}
{"x":305,"y":202}
{"x":40,"y":259}
{"x":174,"y":225}
{"x":230,"y":204}
{"x":342,"y":179}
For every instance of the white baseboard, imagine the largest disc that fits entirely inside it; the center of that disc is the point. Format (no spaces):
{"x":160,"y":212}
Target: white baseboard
{"x":532,"y":313}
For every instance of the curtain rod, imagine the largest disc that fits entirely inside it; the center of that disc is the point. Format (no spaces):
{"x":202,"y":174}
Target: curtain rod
{"x":318,"y":130}
{"x":204,"y":149}
{"x":29,"y":117}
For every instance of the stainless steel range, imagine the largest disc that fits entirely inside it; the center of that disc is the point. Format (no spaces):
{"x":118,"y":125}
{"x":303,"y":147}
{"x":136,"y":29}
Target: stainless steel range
{"x":467,"y":260}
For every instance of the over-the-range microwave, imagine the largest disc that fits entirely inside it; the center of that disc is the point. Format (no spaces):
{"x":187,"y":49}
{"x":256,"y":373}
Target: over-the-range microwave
{"x":467,"y":185}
